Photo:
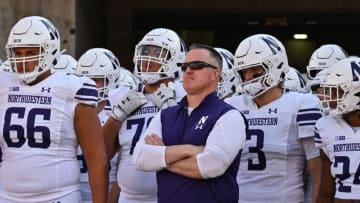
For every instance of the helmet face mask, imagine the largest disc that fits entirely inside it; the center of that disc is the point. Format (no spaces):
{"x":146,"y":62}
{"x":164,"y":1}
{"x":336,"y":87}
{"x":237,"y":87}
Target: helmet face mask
{"x":332,"y":95}
{"x":99,"y":63}
{"x":152,"y":62}
{"x":341,"y":87}
{"x":263,"y":51}
{"x":257,"y":85}
{"x":157,"y":54}
{"x":103,"y":90}
{"x":33,"y":32}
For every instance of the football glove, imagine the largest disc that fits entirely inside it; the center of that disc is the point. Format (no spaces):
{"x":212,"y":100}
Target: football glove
{"x":164,"y":96}
{"x":127,"y":104}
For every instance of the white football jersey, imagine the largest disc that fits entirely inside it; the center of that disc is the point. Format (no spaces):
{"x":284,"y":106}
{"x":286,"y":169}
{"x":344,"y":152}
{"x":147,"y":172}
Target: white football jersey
{"x":136,"y":186}
{"x":341,"y":143}
{"x":38,"y":139}
{"x":84,"y":175}
{"x":272,"y":159}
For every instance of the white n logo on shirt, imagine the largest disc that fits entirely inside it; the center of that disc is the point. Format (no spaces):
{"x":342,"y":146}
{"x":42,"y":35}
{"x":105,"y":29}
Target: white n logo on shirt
{"x":201,"y":122}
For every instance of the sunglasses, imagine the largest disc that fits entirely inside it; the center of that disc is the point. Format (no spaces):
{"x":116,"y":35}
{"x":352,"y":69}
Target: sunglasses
{"x":195,"y":65}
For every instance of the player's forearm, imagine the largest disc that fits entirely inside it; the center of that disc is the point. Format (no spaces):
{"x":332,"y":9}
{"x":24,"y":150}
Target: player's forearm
{"x":187,"y":167}
{"x":322,"y":199}
{"x":327,"y":183}
{"x":315,"y":172}
{"x":98,"y":178}
{"x":110,"y":132}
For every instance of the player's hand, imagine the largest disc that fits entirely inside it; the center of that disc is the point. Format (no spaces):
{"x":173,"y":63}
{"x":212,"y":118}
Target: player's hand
{"x":127,"y":104}
{"x":164,"y":96}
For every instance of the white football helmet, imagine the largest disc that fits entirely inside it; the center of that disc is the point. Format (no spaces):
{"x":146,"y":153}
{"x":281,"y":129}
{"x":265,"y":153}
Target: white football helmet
{"x":160,"y":46}
{"x":315,"y":83}
{"x":228,"y":81}
{"x":341,"y":87}
{"x":127,"y":78}
{"x":5,"y":67}
{"x":294,"y":81}
{"x":66,"y":64}
{"x":267,"y":52}
{"x":100,"y":63}
{"x":324,"y":57}
{"x":34,"y":31}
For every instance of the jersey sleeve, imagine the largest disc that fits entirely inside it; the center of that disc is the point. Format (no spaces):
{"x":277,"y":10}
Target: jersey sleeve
{"x":81,"y":89}
{"x":319,"y":137}
{"x":87,"y":93}
{"x":309,"y":112}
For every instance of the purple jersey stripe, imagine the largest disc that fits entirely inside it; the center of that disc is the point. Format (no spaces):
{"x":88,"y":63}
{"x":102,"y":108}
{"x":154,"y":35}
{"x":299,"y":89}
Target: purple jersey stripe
{"x":303,"y":124}
{"x":86,"y":99}
{"x":90,"y":85}
{"x":87,"y":92}
{"x":311,"y":109}
{"x":308,"y":117}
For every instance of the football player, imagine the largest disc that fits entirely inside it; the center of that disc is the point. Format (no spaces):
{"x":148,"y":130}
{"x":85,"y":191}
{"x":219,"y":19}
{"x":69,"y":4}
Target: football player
{"x":103,"y":67}
{"x":338,"y":135}
{"x":280,"y":134}
{"x":321,"y":60}
{"x":45,"y":116}
{"x":156,"y":57}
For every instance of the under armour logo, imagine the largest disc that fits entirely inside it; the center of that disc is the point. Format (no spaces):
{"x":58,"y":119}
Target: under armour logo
{"x":161,"y":95}
{"x":201,"y":122}
{"x":272,"y":110}
{"x":43,"y":89}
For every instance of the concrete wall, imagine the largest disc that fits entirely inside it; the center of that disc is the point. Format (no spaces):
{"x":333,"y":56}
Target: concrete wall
{"x":60,"y":12}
